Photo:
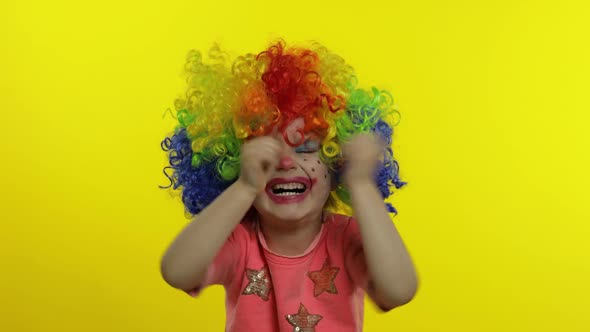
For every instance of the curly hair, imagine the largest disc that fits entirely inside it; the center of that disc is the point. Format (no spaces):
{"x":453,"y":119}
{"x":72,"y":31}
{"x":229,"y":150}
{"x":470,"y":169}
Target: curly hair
{"x":227,"y":103}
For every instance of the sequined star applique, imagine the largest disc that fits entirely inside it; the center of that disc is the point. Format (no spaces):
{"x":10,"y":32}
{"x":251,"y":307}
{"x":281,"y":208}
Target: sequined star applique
{"x":303,"y":321}
{"x":258,"y":283}
{"x":323,"y":280}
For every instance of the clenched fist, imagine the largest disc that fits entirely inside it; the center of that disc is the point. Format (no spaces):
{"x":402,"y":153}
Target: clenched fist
{"x":259,"y":158}
{"x":362,"y":154}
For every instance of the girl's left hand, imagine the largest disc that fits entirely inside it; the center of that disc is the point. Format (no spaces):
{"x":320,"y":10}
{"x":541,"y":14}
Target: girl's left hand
{"x":362,"y":154}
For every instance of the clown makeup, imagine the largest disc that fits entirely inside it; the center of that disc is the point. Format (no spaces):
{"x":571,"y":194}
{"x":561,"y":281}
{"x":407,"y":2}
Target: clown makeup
{"x":299,"y":187}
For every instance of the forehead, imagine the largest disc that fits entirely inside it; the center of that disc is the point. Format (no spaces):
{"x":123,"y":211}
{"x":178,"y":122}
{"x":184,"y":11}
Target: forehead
{"x":292,"y":132}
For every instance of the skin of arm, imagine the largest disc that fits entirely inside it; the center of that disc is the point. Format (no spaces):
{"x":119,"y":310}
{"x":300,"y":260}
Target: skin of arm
{"x":185,"y":262}
{"x":392,"y":276}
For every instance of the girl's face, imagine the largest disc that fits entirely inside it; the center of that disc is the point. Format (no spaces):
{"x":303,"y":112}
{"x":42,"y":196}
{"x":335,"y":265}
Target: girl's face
{"x":300,"y":185}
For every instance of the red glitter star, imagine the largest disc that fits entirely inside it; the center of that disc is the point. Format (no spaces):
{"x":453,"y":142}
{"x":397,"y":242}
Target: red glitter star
{"x":258,"y":283}
{"x":303,"y":321}
{"x":323,"y":279}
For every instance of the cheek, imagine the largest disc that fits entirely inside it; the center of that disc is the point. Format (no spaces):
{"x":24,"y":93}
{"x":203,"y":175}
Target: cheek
{"x":317,"y":170}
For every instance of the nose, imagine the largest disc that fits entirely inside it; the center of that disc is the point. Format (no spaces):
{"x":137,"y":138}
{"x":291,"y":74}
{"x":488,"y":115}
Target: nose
{"x":286,"y":163}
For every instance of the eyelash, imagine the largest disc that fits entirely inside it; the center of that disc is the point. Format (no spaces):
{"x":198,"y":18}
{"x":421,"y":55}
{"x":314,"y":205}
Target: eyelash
{"x":306,"y":148}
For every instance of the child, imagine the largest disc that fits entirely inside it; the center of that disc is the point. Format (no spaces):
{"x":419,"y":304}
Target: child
{"x":264,"y":155}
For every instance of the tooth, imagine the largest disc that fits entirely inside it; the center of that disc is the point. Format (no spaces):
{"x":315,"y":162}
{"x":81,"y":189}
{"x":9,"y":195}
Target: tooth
{"x":289,"y":186}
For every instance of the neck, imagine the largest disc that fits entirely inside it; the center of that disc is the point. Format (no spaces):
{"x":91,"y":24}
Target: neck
{"x":290,"y":238}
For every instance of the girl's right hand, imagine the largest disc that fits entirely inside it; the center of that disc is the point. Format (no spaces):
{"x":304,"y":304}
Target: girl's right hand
{"x":259,"y":158}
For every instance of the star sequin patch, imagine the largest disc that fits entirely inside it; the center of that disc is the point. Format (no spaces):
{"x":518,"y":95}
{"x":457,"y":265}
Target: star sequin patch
{"x":258,"y":283}
{"x":303,"y":321}
{"x":323,"y":280}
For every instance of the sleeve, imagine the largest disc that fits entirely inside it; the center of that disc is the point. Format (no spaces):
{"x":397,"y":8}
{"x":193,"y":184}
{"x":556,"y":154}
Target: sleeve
{"x":221,"y":269}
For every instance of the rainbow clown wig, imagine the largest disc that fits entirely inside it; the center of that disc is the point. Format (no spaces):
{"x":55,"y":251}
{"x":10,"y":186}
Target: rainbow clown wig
{"x":228,"y":102}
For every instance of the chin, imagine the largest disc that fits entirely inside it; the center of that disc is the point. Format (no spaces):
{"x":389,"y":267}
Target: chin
{"x":287,"y":212}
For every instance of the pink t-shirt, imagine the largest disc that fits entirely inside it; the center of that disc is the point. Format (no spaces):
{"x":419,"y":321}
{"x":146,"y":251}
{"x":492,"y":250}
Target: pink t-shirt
{"x":320,"y":290}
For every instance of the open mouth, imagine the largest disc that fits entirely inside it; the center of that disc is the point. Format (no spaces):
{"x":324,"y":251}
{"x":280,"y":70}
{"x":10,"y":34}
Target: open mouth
{"x":288,"y":190}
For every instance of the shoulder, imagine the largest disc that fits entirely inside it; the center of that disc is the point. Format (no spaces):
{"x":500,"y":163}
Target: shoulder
{"x":243,"y":234}
{"x":340,"y":225}
{"x":339,"y":221}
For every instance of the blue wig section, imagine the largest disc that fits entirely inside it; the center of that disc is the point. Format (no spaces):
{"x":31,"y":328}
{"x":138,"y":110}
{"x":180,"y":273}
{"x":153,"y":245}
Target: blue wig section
{"x":200,"y":185}
{"x":387,"y":174}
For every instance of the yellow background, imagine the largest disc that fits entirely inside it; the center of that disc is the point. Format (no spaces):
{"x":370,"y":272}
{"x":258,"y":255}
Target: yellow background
{"x":493,"y":142}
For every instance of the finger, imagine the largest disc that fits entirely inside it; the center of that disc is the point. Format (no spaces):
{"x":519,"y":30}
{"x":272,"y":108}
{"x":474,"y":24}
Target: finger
{"x":267,"y":157}
{"x":269,"y":150}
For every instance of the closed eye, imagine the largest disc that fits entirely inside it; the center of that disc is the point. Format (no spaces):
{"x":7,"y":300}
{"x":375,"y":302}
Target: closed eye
{"x":309,"y":146}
